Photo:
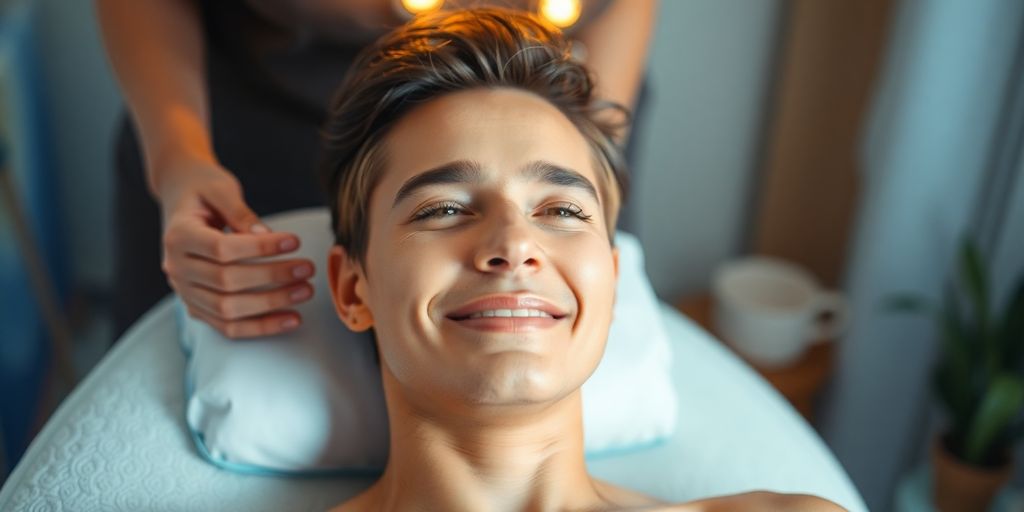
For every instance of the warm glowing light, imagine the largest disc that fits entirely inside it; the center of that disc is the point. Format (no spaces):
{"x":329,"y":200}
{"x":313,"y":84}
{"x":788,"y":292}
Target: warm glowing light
{"x":561,"y":13}
{"x":421,"y":6}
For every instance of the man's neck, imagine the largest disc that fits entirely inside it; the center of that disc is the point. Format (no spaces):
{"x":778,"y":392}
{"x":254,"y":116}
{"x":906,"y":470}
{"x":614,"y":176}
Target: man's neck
{"x":485,"y":463}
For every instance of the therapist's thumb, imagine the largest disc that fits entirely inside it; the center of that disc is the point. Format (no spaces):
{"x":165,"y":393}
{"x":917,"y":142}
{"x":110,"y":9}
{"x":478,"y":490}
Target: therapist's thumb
{"x":227,"y":200}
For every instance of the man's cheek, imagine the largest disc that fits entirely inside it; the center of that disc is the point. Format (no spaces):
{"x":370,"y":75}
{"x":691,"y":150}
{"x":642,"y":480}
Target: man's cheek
{"x":597,"y":269}
{"x":597,"y":283}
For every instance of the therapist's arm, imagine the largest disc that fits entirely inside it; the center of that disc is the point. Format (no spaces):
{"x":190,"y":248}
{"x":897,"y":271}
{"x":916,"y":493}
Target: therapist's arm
{"x":617,"y":44}
{"x":156,"y":48}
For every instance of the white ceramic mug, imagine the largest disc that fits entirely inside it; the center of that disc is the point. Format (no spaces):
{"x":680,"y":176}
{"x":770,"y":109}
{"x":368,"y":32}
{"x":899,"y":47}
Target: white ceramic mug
{"x":770,"y":310}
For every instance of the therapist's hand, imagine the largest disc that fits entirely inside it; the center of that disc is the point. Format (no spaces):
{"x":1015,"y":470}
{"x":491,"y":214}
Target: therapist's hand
{"x":212,"y":270}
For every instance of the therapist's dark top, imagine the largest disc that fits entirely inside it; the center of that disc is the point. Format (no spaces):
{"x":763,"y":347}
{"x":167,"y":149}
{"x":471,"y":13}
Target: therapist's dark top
{"x":271,"y":68}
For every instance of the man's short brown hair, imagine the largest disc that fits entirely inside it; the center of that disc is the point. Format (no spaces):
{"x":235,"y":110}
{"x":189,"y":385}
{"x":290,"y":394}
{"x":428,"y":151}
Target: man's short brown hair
{"x":447,"y":52}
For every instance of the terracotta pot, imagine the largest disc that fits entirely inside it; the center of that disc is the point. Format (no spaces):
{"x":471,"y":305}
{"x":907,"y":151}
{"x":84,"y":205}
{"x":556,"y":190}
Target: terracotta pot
{"x":961,"y":487}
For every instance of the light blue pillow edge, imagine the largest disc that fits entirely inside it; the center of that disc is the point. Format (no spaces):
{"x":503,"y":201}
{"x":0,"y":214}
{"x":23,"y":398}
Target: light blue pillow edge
{"x":255,"y":469}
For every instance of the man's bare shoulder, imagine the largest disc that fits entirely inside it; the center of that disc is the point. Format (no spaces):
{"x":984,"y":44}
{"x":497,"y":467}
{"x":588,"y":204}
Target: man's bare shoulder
{"x":757,"y":501}
{"x":760,"y":501}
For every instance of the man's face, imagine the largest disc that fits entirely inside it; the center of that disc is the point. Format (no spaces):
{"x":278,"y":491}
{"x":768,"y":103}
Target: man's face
{"x":476,"y":214}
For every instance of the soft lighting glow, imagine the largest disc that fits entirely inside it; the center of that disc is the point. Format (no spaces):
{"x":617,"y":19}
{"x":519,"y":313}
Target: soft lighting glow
{"x":561,"y":13}
{"x":421,"y":6}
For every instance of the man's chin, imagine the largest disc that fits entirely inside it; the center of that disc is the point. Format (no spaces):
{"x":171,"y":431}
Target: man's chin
{"x":517,"y":386}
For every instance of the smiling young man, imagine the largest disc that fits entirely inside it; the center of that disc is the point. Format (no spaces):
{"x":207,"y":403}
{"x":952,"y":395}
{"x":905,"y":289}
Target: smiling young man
{"x":474,"y":188}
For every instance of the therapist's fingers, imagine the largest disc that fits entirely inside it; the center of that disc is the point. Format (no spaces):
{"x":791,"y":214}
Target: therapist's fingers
{"x":235,"y":306}
{"x":237,"y":277}
{"x":264,"y":325}
{"x":200,"y":240}
{"x":226,"y":198}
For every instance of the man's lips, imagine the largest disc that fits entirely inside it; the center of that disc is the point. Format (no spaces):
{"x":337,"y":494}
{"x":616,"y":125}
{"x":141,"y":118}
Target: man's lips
{"x":500,"y":303}
{"x":508,"y":324}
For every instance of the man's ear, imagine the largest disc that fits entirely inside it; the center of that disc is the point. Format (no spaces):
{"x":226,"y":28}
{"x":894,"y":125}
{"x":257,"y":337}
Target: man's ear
{"x":348,"y":290}
{"x":615,"y":288}
{"x":615,"y":260}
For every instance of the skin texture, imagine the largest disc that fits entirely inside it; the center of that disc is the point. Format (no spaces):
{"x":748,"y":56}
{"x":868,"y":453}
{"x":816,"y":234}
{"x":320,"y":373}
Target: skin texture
{"x":489,"y":420}
{"x":156,"y":48}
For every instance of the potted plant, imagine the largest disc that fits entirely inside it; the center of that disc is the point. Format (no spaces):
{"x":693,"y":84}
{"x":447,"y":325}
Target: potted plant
{"x":979,"y":379}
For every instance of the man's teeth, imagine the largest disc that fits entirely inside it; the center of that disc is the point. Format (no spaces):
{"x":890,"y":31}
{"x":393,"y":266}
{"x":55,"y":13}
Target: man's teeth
{"x":510,"y":313}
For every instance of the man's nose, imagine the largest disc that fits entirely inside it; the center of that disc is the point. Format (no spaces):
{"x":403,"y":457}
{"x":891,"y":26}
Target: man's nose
{"x":508,"y":247}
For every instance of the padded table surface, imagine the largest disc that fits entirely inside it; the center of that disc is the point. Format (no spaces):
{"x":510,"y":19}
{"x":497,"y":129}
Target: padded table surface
{"x":119,"y":441}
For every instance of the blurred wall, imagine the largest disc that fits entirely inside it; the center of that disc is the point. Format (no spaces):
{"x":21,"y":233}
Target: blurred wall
{"x":83,"y":103}
{"x":710,"y":70}
{"x":708,"y":78}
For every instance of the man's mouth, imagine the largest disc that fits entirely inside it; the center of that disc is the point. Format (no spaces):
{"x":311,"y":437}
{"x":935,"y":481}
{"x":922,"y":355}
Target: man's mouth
{"x":508,"y":313}
{"x":508,"y":306}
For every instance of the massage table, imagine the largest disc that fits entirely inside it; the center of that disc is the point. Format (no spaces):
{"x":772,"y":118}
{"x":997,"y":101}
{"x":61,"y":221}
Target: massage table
{"x":119,"y":441}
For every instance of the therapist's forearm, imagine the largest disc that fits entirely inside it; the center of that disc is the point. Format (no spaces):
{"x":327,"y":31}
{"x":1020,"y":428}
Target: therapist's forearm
{"x":156,"y":49}
{"x":617,"y":44}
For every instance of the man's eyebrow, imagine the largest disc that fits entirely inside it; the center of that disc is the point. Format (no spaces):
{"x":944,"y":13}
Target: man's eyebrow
{"x":459,"y":171}
{"x":553,"y":174}
{"x":468,"y":171}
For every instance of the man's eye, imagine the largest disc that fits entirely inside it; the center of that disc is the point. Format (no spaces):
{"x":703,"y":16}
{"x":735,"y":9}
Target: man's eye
{"x":439,"y":211}
{"x":567,"y":211}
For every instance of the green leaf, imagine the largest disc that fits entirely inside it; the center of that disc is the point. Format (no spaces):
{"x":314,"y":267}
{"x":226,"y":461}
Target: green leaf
{"x":1002,"y":402}
{"x":973,"y":272}
{"x":1011,"y":332}
{"x":952,"y":388}
{"x":956,"y":378}
{"x":957,"y":346}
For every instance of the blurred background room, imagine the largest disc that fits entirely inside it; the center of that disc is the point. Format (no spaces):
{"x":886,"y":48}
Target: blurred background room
{"x":861,"y":141}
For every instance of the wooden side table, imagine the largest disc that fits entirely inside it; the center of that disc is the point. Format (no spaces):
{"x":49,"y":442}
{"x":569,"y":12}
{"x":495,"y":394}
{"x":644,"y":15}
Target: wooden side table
{"x":800,"y":382}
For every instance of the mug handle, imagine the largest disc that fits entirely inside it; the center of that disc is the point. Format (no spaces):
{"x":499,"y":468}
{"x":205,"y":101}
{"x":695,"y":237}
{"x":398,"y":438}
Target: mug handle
{"x":834,"y":304}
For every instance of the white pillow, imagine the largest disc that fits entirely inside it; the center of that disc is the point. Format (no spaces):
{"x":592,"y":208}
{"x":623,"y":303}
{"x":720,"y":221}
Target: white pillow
{"x":311,"y":401}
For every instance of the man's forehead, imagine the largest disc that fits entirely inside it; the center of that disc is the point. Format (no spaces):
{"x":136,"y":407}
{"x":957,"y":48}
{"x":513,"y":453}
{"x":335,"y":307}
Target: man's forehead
{"x":480,"y":124}
{"x":467,"y":135}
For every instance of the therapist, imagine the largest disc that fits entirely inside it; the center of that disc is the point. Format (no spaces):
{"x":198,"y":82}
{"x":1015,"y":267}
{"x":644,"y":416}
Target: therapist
{"x":226,"y":100}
